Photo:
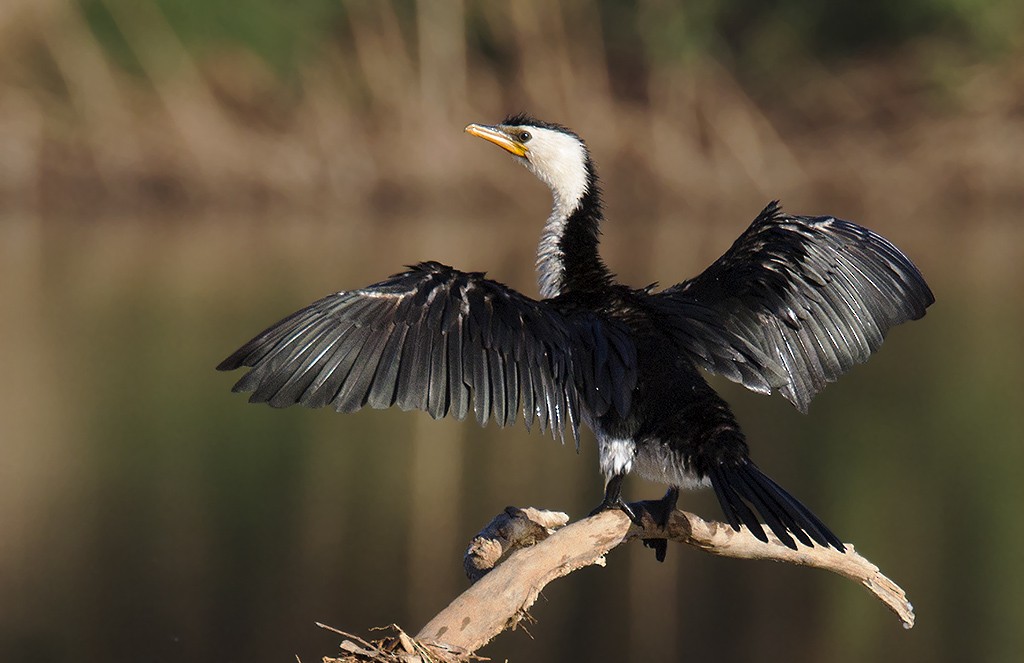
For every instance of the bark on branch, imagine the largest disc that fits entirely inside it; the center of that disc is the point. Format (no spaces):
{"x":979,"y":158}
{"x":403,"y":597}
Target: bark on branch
{"x":522,"y":550}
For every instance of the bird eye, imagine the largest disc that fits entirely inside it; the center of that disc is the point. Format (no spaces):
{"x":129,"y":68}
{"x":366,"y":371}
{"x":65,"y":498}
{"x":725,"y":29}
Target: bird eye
{"x":524,"y":136}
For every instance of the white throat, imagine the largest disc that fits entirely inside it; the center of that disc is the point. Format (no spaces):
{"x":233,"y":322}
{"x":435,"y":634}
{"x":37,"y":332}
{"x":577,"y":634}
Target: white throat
{"x":560,"y":161}
{"x":550,"y":259}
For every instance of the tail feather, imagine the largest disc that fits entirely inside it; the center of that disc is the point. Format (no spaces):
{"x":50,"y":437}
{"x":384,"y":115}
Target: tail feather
{"x":778,"y":518}
{"x":735,"y":509}
{"x":736,"y":486}
{"x":824,"y":535}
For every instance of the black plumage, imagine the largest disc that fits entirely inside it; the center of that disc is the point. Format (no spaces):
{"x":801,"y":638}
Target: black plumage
{"x":813,"y":295}
{"x":793,"y":304}
{"x":447,"y":342}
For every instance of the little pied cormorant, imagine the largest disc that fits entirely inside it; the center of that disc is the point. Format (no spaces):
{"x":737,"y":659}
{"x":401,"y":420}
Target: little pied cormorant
{"x":794,"y":303}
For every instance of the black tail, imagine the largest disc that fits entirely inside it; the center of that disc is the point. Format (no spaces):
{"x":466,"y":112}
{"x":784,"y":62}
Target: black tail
{"x":739,"y":485}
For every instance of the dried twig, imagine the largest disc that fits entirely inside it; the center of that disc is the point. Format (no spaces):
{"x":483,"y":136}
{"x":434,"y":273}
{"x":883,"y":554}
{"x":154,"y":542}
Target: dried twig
{"x":397,"y":648}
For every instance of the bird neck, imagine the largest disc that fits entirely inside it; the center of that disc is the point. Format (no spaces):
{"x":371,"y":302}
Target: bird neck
{"x":567,"y":257}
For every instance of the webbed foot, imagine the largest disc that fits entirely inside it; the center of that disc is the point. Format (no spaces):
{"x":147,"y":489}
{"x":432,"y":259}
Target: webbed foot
{"x":613,"y":500}
{"x":617,"y":503}
{"x":660,"y":512}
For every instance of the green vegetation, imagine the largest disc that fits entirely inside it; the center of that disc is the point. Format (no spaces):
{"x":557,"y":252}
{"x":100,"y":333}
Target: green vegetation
{"x":759,"y":39}
{"x":285,"y":35}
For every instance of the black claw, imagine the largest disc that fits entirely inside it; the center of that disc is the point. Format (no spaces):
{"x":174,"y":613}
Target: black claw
{"x":617,"y":503}
{"x":628,"y":510}
{"x":613,"y":500}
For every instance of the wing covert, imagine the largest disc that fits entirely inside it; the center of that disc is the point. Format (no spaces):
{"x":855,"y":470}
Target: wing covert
{"x":448,"y":342}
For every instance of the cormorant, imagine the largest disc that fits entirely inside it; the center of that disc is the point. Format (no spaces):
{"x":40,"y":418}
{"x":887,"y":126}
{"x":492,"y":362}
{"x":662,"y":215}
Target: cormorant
{"x":795,"y":302}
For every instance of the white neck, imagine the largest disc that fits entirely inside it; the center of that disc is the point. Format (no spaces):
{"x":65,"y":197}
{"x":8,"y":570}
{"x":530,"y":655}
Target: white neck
{"x":558,"y":160}
{"x":550,"y":259}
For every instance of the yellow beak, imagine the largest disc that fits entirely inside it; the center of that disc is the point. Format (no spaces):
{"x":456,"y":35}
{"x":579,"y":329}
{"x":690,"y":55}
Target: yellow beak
{"x":497,"y":137}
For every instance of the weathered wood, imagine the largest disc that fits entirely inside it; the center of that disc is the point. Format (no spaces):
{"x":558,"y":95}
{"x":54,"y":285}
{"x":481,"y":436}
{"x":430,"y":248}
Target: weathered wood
{"x":522,"y":550}
{"x":501,"y":598}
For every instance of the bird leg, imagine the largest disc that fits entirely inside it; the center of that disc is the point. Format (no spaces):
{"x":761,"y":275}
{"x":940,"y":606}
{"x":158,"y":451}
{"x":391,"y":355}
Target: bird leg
{"x":613,"y":500}
{"x":660,"y":512}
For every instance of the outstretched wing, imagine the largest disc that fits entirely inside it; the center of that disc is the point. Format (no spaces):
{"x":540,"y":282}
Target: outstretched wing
{"x":795,"y":302}
{"x":444,"y":341}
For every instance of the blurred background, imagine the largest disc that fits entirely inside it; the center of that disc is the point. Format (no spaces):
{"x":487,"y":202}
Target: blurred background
{"x":177,"y":174}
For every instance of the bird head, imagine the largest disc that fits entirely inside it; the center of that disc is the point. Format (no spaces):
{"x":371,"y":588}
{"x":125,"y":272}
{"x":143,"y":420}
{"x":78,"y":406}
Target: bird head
{"x":555,"y":154}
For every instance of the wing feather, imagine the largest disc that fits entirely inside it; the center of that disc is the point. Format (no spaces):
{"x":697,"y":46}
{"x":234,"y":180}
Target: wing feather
{"x":447,"y":342}
{"x":794,"y":303}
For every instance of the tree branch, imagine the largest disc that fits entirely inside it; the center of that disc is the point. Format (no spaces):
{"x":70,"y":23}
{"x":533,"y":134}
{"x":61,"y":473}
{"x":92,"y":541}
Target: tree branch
{"x":502,"y":597}
{"x":522,"y":550}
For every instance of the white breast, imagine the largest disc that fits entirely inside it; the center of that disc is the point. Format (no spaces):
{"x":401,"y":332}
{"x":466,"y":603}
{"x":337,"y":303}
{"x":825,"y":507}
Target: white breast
{"x":616,"y":455}
{"x":651,"y":460}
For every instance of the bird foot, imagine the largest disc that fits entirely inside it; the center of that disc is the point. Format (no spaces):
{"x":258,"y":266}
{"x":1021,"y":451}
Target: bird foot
{"x":617,"y":503}
{"x":613,"y":500}
{"x":660,"y":511}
